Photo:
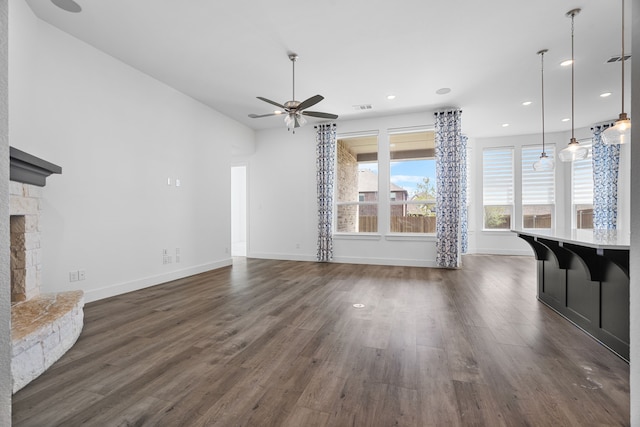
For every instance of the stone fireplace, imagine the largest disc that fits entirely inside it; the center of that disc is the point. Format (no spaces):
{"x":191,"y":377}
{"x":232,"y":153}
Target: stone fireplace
{"x":43,"y":326}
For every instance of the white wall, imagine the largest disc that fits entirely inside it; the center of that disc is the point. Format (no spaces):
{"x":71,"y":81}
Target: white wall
{"x":5,"y":283}
{"x":283,"y":204}
{"x":635,"y":226}
{"x":239,"y":210}
{"x":118,"y":135}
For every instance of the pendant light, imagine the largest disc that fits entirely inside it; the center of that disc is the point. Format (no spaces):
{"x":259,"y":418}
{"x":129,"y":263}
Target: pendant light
{"x":620,"y":132}
{"x":573,"y":151}
{"x":544,"y":163}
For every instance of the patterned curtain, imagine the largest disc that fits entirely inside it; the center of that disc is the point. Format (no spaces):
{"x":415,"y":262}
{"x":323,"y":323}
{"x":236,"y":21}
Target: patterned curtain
{"x":464,"y":226}
{"x":325,"y":171}
{"x":449,"y":183}
{"x":606,"y":161}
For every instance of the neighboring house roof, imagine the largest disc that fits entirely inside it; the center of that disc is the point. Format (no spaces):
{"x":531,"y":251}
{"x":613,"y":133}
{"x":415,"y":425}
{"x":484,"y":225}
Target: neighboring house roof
{"x":368,"y":183}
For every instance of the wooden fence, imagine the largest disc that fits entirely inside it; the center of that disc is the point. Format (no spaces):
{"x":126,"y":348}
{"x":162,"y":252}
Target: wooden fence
{"x":400,"y":224}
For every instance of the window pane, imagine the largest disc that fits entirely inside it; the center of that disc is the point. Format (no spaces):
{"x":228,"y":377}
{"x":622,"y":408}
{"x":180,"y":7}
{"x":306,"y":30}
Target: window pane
{"x":497,"y":217}
{"x":357,"y":185}
{"x":357,"y":169}
{"x":413,"y":179}
{"x":356,"y":218}
{"x":497,"y":187}
{"x":582,"y":190}
{"x":537,"y":216}
{"x":413,"y":218}
{"x":583,"y":216}
{"x":538,"y":189}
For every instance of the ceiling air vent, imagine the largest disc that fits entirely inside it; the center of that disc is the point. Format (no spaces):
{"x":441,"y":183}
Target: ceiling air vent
{"x":618,"y":58}
{"x":363,"y":107}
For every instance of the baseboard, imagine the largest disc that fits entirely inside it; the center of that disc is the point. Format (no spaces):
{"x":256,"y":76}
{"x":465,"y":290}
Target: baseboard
{"x":398,"y":262}
{"x":134,"y":285}
{"x":493,"y":251}
{"x":281,"y":257}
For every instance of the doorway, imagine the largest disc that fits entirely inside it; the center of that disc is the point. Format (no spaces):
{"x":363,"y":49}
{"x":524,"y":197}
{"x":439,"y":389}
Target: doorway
{"x":239,"y":210}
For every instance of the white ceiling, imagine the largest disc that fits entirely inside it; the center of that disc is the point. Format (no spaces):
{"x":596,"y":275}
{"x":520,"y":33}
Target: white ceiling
{"x":225,"y":53}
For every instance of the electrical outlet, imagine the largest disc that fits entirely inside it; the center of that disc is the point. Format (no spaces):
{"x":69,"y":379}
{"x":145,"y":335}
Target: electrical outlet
{"x":297,"y":245}
{"x":169,"y":259}
{"x":73,"y":276}
{"x":177,"y":258}
{"x":82,"y":275}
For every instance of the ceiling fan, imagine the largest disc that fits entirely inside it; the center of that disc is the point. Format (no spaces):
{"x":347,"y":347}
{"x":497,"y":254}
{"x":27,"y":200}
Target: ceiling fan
{"x":294,"y":109}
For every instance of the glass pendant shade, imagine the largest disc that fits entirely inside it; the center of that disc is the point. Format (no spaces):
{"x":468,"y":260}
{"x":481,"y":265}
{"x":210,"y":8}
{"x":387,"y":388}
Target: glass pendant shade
{"x":294,"y":120}
{"x":573,"y":151}
{"x":619,"y":133}
{"x":544,"y":163}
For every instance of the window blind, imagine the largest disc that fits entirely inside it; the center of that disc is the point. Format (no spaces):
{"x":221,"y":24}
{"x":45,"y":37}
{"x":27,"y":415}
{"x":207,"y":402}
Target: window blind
{"x":497,"y":176}
{"x":538,"y":187}
{"x":582,"y":179}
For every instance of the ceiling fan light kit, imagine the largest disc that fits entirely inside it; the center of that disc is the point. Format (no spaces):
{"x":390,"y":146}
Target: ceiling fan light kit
{"x":294,"y":110}
{"x":620,"y":132}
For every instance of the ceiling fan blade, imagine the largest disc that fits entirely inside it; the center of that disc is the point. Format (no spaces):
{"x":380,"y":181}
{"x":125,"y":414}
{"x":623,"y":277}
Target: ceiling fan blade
{"x":271,"y":102}
{"x":256,"y":116}
{"x":319,"y":114}
{"x":309,"y":102}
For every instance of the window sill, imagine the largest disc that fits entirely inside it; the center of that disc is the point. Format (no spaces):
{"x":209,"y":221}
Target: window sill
{"x":496,"y":232}
{"x":357,"y":236}
{"x":411,"y":237}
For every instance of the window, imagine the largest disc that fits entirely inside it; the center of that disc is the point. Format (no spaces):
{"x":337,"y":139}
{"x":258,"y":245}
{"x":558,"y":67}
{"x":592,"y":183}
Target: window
{"x":357,"y":185}
{"x":497,"y":187}
{"x":582,"y":190}
{"x":538,"y":190}
{"x":413,"y":182}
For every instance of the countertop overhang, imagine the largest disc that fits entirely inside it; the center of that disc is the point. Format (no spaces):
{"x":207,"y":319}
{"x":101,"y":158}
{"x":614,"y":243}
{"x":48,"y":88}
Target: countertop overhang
{"x":597,"y":239}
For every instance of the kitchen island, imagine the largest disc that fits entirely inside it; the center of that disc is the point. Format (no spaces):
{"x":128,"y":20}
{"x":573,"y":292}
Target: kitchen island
{"x":584,"y":276}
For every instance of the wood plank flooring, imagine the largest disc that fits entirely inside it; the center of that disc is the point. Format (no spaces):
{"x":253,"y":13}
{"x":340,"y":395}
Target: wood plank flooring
{"x":279,"y":343}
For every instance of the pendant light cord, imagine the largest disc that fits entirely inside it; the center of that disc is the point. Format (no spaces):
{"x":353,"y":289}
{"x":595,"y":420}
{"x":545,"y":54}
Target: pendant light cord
{"x":572,"y":78}
{"x":542,"y":52}
{"x":622,"y":57}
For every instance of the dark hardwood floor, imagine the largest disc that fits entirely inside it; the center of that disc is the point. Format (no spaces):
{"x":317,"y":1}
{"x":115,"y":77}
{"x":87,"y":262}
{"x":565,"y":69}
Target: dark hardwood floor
{"x":279,"y":343}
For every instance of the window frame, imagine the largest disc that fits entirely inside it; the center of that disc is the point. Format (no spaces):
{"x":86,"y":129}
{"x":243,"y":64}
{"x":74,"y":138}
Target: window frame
{"x":337,"y":203}
{"x":390,"y":134}
{"x":550,"y":149}
{"x":511,"y":149}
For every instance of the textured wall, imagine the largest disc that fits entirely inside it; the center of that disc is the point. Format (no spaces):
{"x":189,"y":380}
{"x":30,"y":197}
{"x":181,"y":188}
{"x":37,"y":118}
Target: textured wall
{"x":5,"y":292}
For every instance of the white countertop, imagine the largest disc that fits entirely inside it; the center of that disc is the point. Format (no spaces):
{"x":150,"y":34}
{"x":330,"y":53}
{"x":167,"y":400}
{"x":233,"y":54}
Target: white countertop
{"x":598,"y":239}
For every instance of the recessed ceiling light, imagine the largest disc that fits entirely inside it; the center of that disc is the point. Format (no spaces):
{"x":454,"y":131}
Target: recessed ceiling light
{"x":566,"y":119}
{"x":358,"y":305}
{"x":566,"y":63}
{"x":605,"y":94}
{"x":527,"y":103}
{"x":443,"y":91}
{"x":390,"y":97}
{"x":68,"y":5}
{"x":504,"y":125}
